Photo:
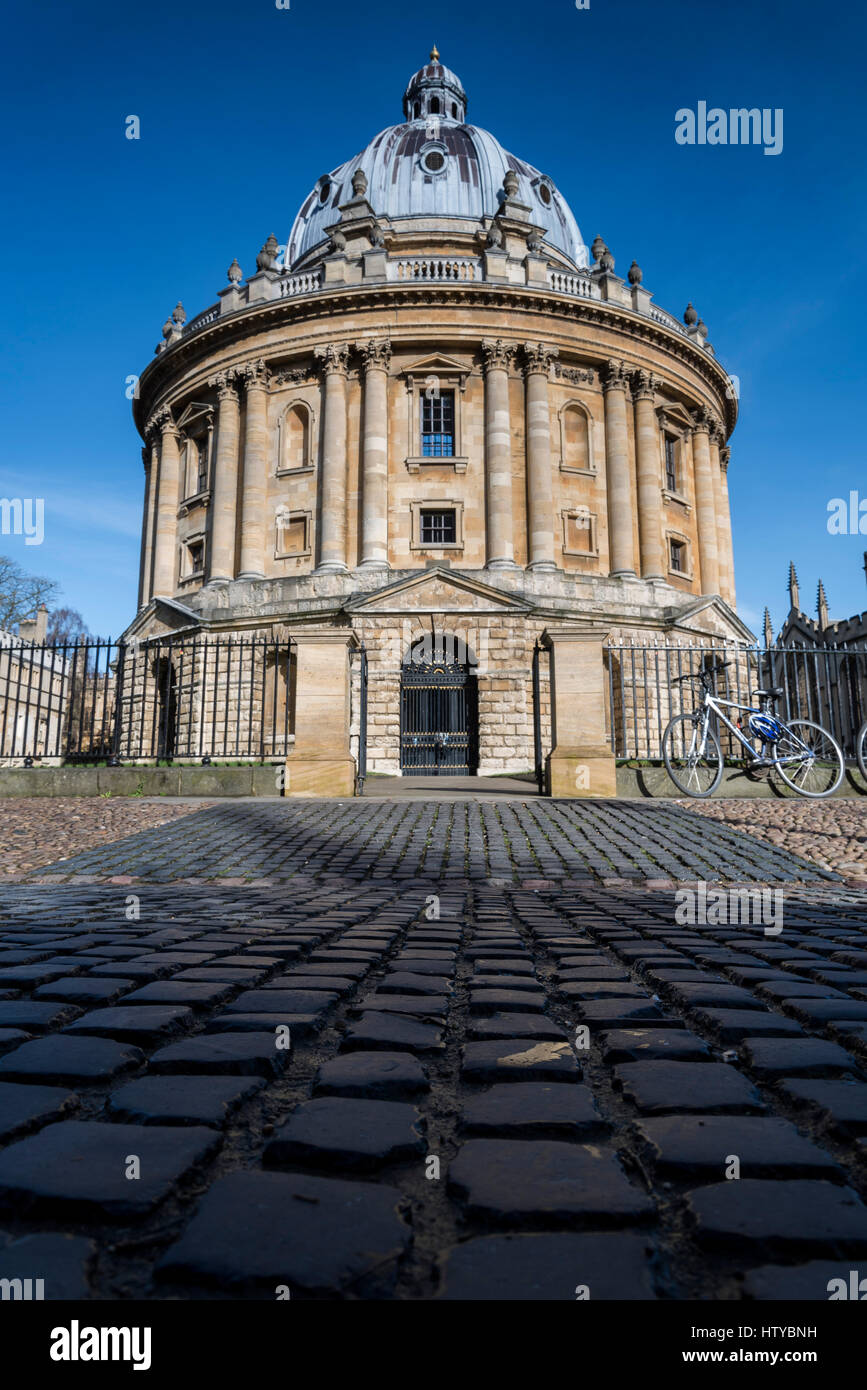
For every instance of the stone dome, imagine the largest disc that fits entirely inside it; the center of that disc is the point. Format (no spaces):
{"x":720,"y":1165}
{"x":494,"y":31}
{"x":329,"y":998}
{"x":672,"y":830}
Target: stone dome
{"x":434,"y":165}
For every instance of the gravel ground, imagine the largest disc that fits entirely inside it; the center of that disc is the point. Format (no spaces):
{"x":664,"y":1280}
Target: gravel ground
{"x":833,"y":834}
{"x":36,"y":831}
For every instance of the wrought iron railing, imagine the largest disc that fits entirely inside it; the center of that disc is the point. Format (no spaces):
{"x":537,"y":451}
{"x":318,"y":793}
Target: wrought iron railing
{"x":827,"y":685}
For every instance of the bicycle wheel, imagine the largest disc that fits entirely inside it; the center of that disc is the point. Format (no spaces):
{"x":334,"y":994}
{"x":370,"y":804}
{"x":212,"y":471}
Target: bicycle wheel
{"x":814,"y":761}
{"x":693,"y":761}
{"x":861,"y":750}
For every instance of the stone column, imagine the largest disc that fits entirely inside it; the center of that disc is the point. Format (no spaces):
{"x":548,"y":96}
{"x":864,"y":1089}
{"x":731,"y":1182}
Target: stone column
{"x":540,"y":481}
{"x":725,"y":513}
{"x":151,"y":457}
{"x":496,"y":355}
{"x":376,"y":355}
{"x":705,"y":503}
{"x":581,"y":762}
{"x":714,"y":439}
{"x":649,"y":471}
{"x":166,"y":539}
{"x":332,"y":526}
{"x":621,"y":550}
{"x":224,"y":493}
{"x":320,"y":763}
{"x":253,"y":520}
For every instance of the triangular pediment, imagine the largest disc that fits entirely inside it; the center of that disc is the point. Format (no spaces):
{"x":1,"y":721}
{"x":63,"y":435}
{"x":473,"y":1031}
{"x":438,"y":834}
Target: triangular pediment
{"x":160,"y":618}
{"x":438,"y":591}
{"x":437,"y":362}
{"x":712,"y":617}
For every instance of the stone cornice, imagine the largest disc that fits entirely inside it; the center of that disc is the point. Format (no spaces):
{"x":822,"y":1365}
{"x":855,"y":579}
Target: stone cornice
{"x":167,"y":370}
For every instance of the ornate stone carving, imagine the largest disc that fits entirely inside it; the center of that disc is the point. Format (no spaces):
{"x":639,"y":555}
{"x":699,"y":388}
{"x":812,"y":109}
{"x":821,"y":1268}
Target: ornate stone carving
{"x":725,"y":454}
{"x":703,"y":421}
{"x":634,"y":274}
{"x":255,"y":374}
{"x":267,"y":256}
{"x":338,"y":242}
{"x":162,"y":421}
{"x":644,"y":385}
{"x":690,"y":316}
{"x":538,"y":357}
{"x":494,"y":235}
{"x":235,"y":274}
{"x":179,"y":314}
{"x":223,"y":382}
{"x":577,"y":376}
{"x":333,"y":358}
{"x":293,"y":376}
{"x":359,"y":183}
{"x":601,"y":254}
{"x":510,"y":183}
{"x":615,"y":376}
{"x":375,"y":352}
{"x":497,"y":353}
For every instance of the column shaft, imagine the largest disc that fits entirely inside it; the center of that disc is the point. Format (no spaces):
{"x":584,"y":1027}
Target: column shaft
{"x":498,"y":455}
{"x":621,"y":549}
{"x":152,"y":469}
{"x":708,"y":555}
{"x":224,"y":493}
{"x":253,"y":520}
{"x":649,"y":472}
{"x":540,"y":482}
{"x":725,"y":513}
{"x":374,"y":464}
{"x":332,"y":530}
{"x":166,"y":540}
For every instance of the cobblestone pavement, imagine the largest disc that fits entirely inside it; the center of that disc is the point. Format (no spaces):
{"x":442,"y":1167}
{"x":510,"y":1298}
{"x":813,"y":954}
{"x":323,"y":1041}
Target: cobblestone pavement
{"x":831,"y":833}
{"x":271,"y":842}
{"x":37,"y":830}
{"x":440,"y":1125}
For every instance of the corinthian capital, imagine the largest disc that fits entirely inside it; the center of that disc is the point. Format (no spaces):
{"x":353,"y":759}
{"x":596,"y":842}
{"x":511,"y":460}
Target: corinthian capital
{"x":703,"y":421}
{"x":497,"y":354}
{"x":333,"y":358}
{"x":256,"y":375}
{"x":161,"y":421}
{"x":644,"y":385}
{"x":224,"y":384}
{"x":538,"y":357}
{"x":375,"y":352}
{"x":615,"y":376}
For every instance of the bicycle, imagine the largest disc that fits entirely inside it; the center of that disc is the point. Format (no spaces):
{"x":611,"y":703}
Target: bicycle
{"x":807,"y":758}
{"x":861,"y":750}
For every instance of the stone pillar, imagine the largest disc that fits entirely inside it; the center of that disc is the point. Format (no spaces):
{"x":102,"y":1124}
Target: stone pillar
{"x":496,"y":355}
{"x":581,"y":762}
{"x":224,"y":493}
{"x":168,"y":495}
{"x":253,"y":520}
{"x":332,"y":527}
{"x":725,"y":513}
{"x":705,"y":504}
{"x":621,"y":550}
{"x":540,"y":482}
{"x":151,"y":457}
{"x":376,"y":355}
{"x":320,"y":763}
{"x":649,"y":471}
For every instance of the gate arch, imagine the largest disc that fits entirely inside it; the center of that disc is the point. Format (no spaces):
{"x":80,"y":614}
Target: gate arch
{"x":439,"y":721}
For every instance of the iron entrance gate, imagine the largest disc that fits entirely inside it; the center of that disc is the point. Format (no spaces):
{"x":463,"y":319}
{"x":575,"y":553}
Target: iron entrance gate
{"x":438,"y":719}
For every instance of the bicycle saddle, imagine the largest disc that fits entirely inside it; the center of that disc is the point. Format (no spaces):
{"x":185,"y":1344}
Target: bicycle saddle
{"x":773,"y":692}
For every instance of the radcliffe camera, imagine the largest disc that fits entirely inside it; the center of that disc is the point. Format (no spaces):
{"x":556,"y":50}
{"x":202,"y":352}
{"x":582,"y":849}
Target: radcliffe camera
{"x":433,"y":680}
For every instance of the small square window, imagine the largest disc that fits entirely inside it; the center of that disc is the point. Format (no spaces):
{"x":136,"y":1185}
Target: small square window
{"x":293,"y":534}
{"x":196,"y":557}
{"x":670,"y":463}
{"x":438,"y":425}
{"x":677,"y":556}
{"x":438,"y":528}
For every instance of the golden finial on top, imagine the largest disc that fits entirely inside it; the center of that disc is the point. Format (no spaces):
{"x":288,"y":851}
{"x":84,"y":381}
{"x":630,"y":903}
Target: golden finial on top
{"x":434,"y":54}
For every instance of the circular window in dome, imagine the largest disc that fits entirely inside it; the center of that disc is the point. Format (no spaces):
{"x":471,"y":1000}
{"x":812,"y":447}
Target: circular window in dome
{"x":324,"y":190}
{"x":544,"y":192}
{"x":433,"y":162}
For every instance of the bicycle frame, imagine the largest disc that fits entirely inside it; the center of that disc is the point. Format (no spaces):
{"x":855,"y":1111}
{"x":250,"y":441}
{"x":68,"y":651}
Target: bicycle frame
{"x":714,"y":702}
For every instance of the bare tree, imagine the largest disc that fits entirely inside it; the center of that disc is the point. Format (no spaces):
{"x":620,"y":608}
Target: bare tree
{"x":65,"y":625}
{"x":21,"y":593}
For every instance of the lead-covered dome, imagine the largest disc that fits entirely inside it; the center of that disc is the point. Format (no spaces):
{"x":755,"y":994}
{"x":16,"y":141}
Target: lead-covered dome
{"x":434,"y":166}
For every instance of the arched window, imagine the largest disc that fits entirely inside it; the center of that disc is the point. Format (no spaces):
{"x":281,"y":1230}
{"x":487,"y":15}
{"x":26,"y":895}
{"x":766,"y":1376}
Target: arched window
{"x":434,"y":107}
{"x":575,"y":438}
{"x":416,"y":110}
{"x":454,"y":110}
{"x":295,"y":438}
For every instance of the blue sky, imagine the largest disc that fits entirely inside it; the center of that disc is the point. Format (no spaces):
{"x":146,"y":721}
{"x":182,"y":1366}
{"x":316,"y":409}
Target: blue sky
{"x":242,"y":107}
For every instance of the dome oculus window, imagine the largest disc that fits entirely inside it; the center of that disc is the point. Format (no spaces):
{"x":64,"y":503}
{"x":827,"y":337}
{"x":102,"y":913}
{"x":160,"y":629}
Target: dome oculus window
{"x":324,"y":190}
{"x":543,"y":191}
{"x":433,"y":162}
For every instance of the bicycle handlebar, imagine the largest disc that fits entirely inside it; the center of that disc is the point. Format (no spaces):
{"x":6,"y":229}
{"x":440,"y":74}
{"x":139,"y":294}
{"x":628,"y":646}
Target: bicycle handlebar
{"x":702,"y":675}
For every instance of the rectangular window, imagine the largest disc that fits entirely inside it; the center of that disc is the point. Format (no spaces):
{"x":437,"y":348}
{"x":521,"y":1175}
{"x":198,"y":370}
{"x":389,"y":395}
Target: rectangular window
{"x":196,"y":552}
{"x":670,"y":464}
{"x":438,"y":425}
{"x":438,"y":528}
{"x":677,"y":556}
